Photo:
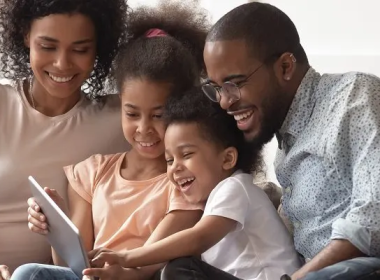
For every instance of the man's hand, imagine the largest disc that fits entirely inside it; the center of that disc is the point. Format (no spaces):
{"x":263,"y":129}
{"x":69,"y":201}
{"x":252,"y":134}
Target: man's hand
{"x":112,"y":272}
{"x":4,"y":273}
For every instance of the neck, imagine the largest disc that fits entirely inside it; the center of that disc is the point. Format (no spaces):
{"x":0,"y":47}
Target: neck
{"x":145,"y":168}
{"x":297,"y":80}
{"x":294,"y":84}
{"x":47,"y":104}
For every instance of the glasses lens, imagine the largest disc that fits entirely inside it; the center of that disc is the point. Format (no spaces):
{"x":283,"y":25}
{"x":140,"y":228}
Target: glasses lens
{"x":211,"y":92}
{"x":231,"y":90}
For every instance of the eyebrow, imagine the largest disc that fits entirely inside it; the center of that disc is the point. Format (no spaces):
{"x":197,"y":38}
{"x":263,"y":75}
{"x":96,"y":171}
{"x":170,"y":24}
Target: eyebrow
{"x":80,"y":42}
{"x":227,"y":79}
{"x":183,"y":146}
{"x":136,"y":107}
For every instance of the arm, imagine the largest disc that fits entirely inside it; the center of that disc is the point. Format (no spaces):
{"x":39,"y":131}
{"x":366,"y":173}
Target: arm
{"x":173,"y":222}
{"x":81,"y":215}
{"x":336,"y":251}
{"x":356,"y":154}
{"x":194,"y":241}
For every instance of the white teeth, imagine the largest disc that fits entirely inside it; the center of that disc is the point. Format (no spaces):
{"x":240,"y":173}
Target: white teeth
{"x":61,"y":79}
{"x":146,"y":144}
{"x":184,"y":181}
{"x":243,"y":116}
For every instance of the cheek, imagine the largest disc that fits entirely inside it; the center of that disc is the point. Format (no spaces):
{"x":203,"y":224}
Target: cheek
{"x":37,"y":59}
{"x":86,"y":62}
{"x":161,"y":129}
{"x":129,"y":129}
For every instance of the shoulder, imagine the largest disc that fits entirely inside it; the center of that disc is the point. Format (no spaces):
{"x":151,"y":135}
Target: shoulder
{"x":238,"y":185}
{"x":350,"y":89}
{"x":107,"y":106}
{"x":8,"y":91}
{"x":100,"y":161}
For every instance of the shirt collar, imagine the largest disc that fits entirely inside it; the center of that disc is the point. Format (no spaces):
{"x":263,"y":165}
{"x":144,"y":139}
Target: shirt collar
{"x":302,"y":105}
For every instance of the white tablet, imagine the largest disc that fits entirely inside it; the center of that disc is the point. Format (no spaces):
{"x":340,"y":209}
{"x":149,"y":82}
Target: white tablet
{"x":63,"y":235}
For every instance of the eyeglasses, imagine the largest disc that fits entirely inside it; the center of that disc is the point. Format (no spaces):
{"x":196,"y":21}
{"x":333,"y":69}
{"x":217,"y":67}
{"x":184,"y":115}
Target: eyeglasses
{"x":229,"y":89}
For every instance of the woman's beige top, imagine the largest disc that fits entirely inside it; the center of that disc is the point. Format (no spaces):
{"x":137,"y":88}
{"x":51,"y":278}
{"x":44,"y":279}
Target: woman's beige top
{"x":34,"y":144}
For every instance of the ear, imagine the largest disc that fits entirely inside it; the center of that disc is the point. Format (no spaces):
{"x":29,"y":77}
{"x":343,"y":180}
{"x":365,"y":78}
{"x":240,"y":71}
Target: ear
{"x":285,"y":67}
{"x":230,"y":157}
{"x":27,"y":40}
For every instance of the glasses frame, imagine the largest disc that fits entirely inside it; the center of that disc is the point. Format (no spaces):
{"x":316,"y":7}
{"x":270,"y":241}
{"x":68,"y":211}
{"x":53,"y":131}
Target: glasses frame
{"x":219,"y":89}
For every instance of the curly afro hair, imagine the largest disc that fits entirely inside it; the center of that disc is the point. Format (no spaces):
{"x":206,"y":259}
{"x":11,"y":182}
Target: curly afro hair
{"x":16,"y":17}
{"x":215,"y":125}
{"x":176,"y":58}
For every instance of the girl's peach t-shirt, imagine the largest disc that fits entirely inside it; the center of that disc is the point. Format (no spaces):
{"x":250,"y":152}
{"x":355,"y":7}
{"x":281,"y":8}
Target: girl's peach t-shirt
{"x":125,"y":213}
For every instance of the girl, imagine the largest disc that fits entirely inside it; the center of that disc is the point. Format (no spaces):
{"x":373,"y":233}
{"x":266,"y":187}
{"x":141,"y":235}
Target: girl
{"x":240,"y":235}
{"x":125,"y":200}
{"x":50,"y":50}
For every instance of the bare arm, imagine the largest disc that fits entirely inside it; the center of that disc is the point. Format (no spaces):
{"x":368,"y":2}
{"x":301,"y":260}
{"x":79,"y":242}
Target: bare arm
{"x":173,"y":222}
{"x":336,"y":251}
{"x":194,"y":241}
{"x":81,"y":215}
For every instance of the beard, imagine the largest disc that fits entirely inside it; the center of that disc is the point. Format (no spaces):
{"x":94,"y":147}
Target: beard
{"x":274,"y":109}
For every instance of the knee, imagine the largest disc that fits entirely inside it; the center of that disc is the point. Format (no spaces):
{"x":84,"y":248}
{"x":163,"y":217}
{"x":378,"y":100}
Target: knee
{"x":173,"y":268}
{"x":25,"y":271}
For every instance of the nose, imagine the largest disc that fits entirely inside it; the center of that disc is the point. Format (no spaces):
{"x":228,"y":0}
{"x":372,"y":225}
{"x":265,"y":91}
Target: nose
{"x":226,"y":101}
{"x":176,"y":166}
{"x":62,"y":61}
{"x":144,"y":126}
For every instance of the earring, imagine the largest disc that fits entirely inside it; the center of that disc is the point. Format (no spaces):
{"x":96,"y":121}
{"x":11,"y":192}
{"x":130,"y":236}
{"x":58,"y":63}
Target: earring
{"x":293,"y":58}
{"x":287,"y":78}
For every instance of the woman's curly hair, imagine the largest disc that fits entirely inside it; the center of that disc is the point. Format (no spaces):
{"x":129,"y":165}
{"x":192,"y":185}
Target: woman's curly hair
{"x":176,"y":58}
{"x":16,"y":17}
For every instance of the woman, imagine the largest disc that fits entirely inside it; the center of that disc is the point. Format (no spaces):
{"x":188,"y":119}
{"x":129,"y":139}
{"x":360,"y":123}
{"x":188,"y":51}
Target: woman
{"x":51,"y":50}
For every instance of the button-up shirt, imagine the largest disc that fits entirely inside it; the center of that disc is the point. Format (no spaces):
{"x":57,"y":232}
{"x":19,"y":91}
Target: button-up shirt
{"x":328,"y":162}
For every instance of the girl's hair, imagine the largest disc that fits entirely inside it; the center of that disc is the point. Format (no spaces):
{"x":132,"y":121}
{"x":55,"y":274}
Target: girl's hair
{"x":16,"y":17}
{"x":177,"y":57}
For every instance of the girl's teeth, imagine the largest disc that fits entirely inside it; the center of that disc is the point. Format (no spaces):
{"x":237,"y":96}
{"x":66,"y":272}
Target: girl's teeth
{"x":61,"y":79}
{"x":146,"y":144}
{"x":243,"y":116}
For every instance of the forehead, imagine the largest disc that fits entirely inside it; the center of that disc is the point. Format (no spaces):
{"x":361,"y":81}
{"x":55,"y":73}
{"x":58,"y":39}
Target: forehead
{"x":145,"y":93}
{"x":224,"y":58}
{"x":183,"y":133}
{"x":64,"y":27}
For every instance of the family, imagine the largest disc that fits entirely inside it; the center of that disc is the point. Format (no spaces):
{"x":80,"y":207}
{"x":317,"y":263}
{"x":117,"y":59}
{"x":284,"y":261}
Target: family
{"x":158,"y":178}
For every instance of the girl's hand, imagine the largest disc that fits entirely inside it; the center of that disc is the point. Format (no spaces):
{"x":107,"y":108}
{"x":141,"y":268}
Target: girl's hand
{"x":37,"y":221}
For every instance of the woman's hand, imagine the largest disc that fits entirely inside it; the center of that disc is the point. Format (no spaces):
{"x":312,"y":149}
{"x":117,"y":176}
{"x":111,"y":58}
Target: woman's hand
{"x":4,"y":273}
{"x":37,"y":221}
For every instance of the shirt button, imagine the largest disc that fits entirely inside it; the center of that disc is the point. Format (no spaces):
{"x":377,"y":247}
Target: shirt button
{"x":288,"y":190}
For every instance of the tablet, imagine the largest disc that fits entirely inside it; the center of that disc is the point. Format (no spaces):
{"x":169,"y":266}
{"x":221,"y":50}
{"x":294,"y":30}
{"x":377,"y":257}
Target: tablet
{"x":63,"y":235}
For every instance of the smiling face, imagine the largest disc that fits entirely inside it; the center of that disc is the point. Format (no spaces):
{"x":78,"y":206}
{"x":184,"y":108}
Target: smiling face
{"x":62,"y":53}
{"x":142,"y":108}
{"x":260,"y":110}
{"x":195,"y":165}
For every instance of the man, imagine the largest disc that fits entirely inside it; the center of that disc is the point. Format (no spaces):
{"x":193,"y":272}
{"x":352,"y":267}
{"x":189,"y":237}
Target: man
{"x":328,"y":129}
